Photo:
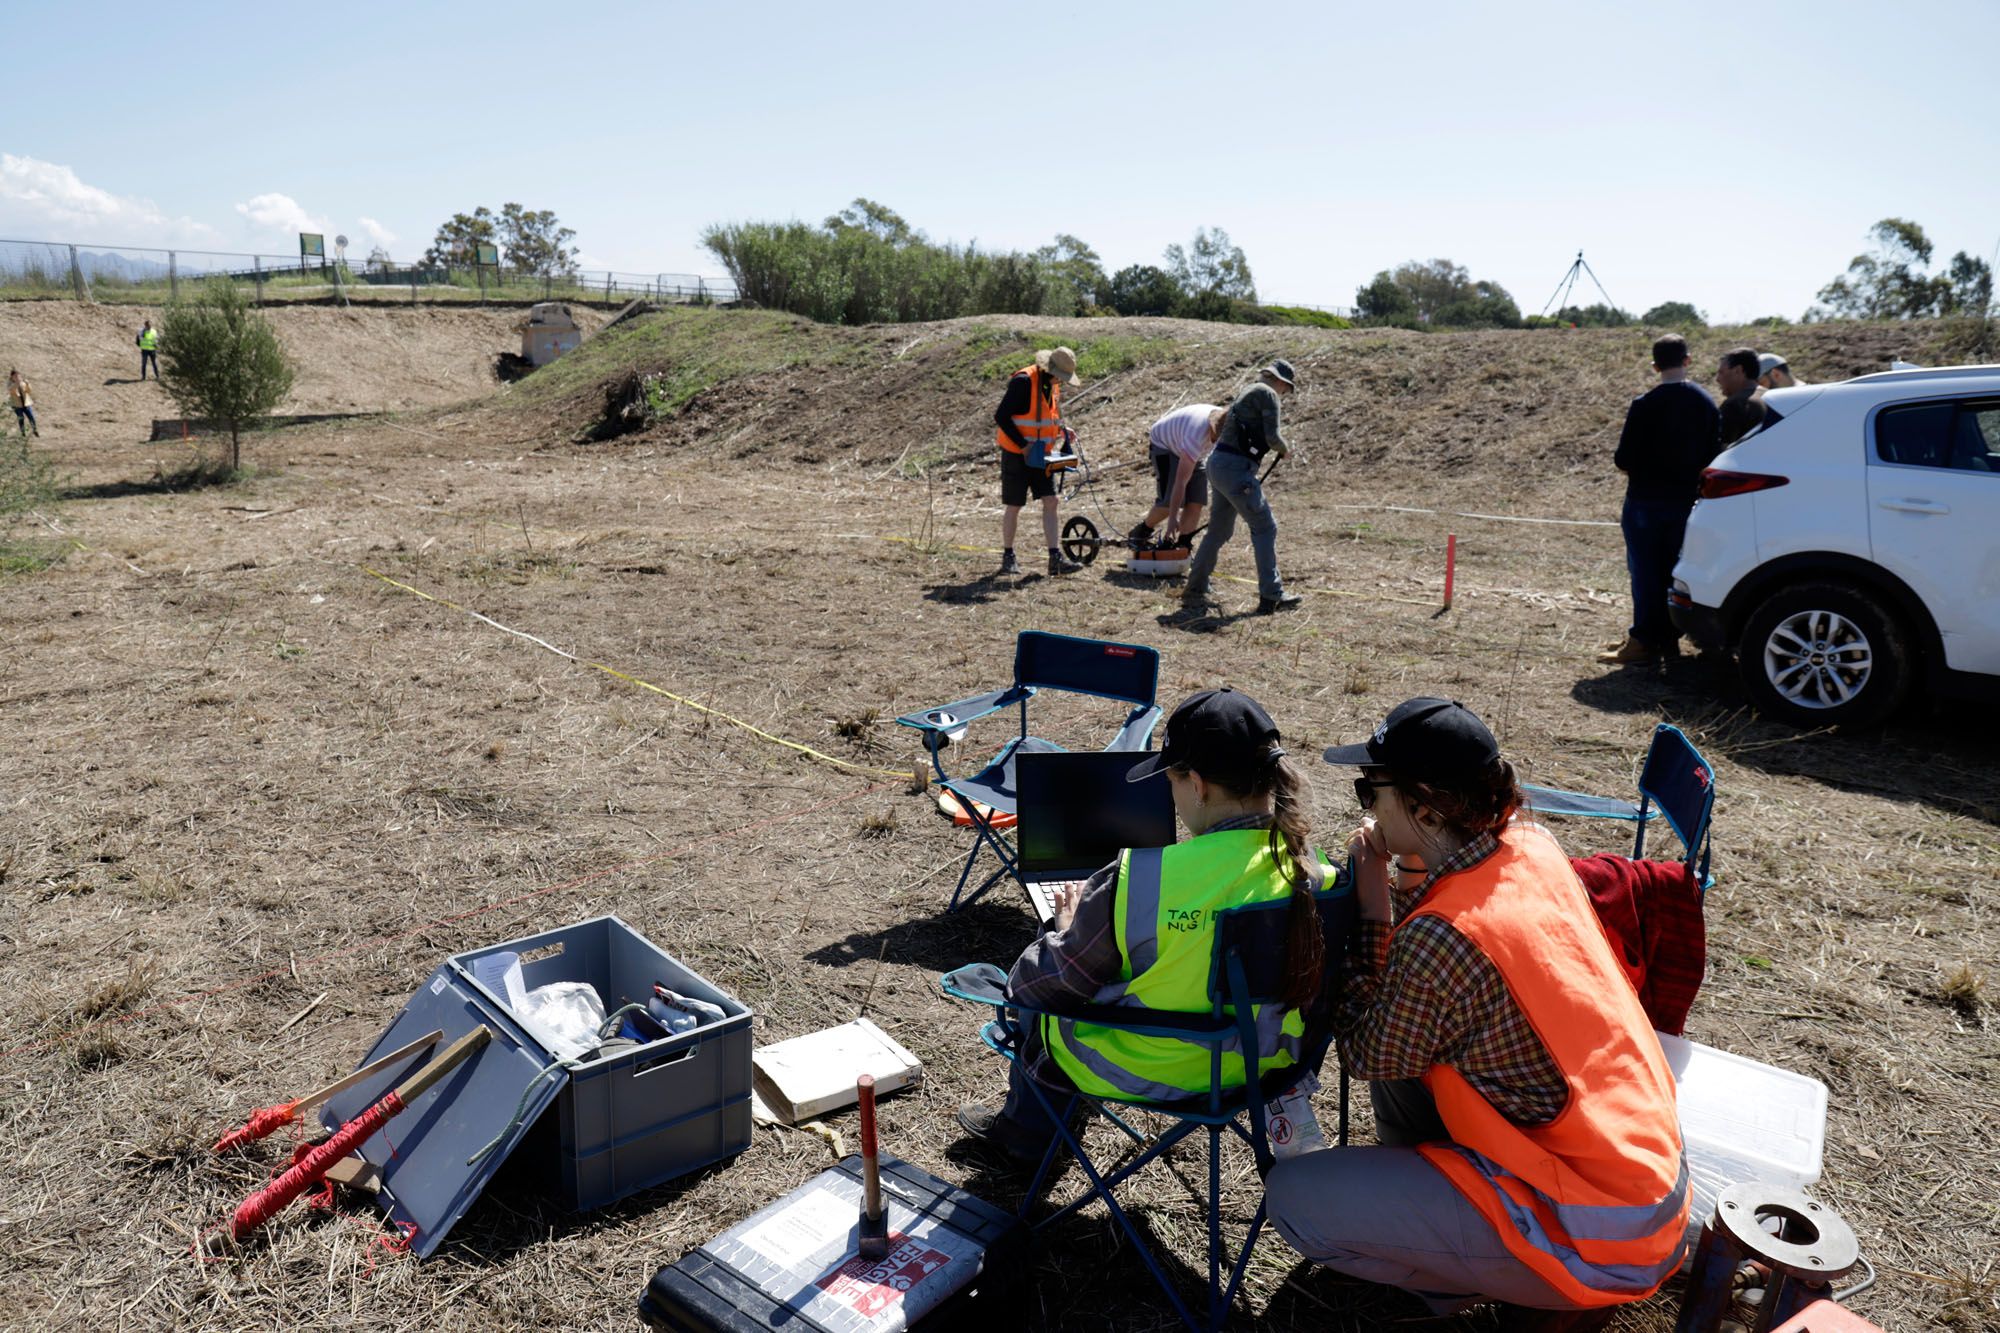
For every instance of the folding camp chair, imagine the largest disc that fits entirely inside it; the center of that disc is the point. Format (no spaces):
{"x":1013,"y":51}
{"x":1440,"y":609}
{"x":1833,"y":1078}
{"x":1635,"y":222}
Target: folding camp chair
{"x":1675,"y":781}
{"x":1248,"y":969}
{"x":1127,"y":673}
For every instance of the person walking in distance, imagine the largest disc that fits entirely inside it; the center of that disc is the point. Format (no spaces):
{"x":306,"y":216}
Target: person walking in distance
{"x":1029,"y":419}
{"x":1249,"y":431}
{"x":22,"y":399}
{"x":1669,"y":437}
{"x":149,"y":349}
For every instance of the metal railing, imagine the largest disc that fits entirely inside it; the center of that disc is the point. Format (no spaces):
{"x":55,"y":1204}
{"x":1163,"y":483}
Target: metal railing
{"x":144,"y":275}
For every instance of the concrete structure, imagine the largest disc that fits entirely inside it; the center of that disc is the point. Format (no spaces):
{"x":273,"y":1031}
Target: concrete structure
{"x":548,"y":332}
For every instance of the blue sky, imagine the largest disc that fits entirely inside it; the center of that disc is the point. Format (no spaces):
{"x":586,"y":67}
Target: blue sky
{"x":1729,"y":156}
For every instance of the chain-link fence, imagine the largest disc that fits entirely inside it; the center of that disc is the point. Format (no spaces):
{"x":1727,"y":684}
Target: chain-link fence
{"x":137,"y":275}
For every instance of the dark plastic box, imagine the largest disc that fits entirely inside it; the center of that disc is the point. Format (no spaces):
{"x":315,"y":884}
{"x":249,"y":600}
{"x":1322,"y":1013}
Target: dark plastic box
{"x":650,"y":1114}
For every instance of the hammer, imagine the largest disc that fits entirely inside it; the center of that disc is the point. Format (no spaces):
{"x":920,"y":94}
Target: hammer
{"x":874,"y":1221}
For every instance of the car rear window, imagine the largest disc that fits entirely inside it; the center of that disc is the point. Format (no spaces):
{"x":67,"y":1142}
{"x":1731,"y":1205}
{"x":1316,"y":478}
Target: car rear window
{"x":1919,"y":434}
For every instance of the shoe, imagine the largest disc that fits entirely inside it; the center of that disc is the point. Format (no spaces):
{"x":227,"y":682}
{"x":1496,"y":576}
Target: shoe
{"x":1009,"y":564}
{"x":1284,"y":601}
{"x":1629,"y":653}
{"x":1140,"y":534}
{"x":995,"y":1132}
{"x":1062,"y":564}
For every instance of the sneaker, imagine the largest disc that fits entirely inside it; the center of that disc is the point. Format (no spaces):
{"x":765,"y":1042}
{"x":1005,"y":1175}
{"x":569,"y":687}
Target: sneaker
{"x":1062,"y":564}
{"x":1140,"y":534}
{"x":993,"y":1131}
{"x":1284,"y":601}
{"x":1629,"y":653}
{"x":1009,"y":564}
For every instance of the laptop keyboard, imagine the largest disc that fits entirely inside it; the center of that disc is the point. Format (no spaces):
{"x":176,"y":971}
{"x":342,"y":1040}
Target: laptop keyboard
{"x":1042,"y":895}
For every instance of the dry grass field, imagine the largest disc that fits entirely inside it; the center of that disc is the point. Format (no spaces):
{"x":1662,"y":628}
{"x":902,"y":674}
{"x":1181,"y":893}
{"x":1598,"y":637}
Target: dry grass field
{"x":253,"y":793}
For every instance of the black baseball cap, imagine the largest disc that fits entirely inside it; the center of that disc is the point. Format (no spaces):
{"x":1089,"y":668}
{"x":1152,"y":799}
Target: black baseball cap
{"x":1425,"y":740}
{"x":1217,"y":733}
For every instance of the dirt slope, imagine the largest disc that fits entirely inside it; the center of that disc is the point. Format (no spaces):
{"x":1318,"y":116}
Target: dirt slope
{"x":84,"y":367}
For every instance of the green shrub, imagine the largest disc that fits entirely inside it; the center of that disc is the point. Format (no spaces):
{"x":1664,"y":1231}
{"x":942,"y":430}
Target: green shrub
{"x":1300,"y":315}
{"x":221,"y":362}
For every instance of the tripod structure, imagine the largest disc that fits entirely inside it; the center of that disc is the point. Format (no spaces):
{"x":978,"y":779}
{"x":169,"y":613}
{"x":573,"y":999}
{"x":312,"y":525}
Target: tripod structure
{"x":1568,"y":284}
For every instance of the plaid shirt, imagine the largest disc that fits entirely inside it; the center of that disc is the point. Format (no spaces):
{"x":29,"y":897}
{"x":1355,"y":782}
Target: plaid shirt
{"x":1065,"y":969}
{"x":1421,"y":994}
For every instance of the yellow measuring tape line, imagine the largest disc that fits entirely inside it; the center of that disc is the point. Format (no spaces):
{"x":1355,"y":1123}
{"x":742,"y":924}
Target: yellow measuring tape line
{"x":635,"y":680}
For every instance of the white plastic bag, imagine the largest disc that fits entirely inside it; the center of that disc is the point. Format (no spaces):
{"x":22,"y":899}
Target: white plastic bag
{"x":564,"y":1016}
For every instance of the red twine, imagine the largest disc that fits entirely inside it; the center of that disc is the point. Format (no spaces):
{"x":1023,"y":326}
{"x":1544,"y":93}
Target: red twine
{"x":264,"y":1122}
{"x":310,"y":1169}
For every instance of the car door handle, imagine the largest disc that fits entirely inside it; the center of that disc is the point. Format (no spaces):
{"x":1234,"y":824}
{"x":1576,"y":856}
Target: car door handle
{"x":1916,"y":506}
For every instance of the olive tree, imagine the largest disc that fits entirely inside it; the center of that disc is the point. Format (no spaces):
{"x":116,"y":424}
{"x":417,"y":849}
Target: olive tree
{"x":221,"y":362}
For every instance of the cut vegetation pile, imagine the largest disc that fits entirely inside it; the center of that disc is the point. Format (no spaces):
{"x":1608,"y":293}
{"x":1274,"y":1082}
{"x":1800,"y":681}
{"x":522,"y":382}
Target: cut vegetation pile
{"x":255,"y":793}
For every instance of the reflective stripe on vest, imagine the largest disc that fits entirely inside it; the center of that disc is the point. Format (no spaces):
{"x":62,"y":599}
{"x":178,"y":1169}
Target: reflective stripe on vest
{"x":1165,"y":928}
{"x":149,"y":339}
{"x":1595,"y":1202}
{"x":1044,"y":419}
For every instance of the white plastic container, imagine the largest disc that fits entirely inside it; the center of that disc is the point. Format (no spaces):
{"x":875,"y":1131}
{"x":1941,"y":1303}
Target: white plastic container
{"x":1743,"y":1120}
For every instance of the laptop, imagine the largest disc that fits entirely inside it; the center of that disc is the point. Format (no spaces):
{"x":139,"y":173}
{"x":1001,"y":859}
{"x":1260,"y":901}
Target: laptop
{"x":1077,"y":812}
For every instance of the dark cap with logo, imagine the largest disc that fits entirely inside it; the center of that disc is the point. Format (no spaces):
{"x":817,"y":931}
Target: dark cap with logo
{"x":1217,"y":733}
{"x":1425,"y":740}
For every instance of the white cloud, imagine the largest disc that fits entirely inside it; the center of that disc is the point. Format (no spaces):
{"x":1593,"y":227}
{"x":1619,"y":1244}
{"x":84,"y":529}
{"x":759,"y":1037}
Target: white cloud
{"x":282,"y":216}
{"x":45,"y":200}
{"x":376,"y":233}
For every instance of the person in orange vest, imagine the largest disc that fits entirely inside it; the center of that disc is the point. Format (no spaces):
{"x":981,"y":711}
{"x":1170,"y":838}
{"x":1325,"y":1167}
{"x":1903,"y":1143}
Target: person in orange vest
{"x":1530,"y":1146}
{"x":1029,"y":420}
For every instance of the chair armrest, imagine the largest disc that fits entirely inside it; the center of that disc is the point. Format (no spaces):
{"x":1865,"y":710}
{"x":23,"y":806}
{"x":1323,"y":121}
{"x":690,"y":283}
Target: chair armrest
{"x":1137,"y":732}
{"x":1555,"y":801}
{"x":961,"y":711}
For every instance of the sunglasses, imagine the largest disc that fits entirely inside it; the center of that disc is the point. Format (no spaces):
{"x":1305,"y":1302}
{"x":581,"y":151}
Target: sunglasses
{"x":1365,"y":789}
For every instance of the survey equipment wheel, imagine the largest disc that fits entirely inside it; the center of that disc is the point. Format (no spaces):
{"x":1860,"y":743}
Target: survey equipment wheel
{"x":1080,"y":540}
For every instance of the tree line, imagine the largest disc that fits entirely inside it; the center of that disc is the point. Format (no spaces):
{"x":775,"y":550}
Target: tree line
{"x":1885,"y":282}
{"x":866,"y":265}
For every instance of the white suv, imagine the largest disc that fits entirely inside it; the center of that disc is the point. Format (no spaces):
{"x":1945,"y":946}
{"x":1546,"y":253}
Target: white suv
{"x":1851,"y":547}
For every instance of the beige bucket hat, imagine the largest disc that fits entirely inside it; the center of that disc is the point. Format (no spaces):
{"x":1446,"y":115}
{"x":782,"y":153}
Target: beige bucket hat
{"x":1060,"y":362}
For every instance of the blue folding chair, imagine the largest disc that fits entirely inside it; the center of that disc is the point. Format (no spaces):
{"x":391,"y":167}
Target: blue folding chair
{"x":1675,"y":781}
{"x":1125,"y":672}
{"x":1248,"y":969}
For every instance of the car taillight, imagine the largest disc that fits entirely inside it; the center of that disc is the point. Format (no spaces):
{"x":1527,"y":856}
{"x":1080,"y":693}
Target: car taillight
{"x":1717,"y":483}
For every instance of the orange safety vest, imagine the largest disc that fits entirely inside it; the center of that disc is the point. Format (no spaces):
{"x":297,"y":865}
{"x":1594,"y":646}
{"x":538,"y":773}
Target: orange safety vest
{"x":1044,"y":419}
{"x":1596,"y":1201}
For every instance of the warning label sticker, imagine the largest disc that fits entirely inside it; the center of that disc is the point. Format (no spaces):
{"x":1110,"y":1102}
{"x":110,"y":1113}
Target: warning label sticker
{"x":871,"y":1286}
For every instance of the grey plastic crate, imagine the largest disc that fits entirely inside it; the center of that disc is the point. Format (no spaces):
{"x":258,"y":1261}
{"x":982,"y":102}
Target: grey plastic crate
{"x":648,"y":1115}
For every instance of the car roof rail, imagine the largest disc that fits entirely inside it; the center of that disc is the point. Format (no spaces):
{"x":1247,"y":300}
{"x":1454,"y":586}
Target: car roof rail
{"x":1926,"y":373}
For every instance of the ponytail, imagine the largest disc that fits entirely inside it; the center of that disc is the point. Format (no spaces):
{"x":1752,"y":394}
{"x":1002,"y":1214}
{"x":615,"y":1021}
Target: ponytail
{"x":1305,"y":945}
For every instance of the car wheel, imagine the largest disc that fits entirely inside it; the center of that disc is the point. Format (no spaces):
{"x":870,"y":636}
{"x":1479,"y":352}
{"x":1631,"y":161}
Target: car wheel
{"x":1823,"y":653}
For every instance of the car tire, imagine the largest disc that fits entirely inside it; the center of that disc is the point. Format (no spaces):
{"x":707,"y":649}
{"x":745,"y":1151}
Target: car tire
{"x":1824,"y":654}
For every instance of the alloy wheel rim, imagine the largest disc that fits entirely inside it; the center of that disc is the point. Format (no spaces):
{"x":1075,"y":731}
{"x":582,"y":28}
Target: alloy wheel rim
{"x":1818,"y":659}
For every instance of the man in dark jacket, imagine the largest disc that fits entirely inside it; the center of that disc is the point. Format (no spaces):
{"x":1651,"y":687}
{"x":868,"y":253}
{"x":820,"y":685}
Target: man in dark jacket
{"x":1669,"y":437}
{"x":1742,"y":399}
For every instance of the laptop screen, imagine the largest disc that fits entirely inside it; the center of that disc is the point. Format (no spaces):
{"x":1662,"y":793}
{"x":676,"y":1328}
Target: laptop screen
{"x":1077,"y":811}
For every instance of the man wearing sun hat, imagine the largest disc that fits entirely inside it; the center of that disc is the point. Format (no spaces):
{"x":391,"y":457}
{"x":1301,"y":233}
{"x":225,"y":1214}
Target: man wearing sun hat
{"x":1249,"y":431}
{"x":1029,"y":415}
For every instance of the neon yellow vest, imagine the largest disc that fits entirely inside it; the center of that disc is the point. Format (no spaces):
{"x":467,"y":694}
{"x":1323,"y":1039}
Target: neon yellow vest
{"x":149,"y":339}
{"x":1168,"y":898}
